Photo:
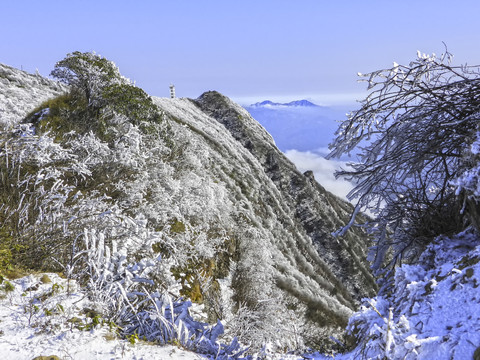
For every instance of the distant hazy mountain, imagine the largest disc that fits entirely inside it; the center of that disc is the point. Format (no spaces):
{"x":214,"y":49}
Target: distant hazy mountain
{"x":300,"y":124}
{"x":268,"y":103}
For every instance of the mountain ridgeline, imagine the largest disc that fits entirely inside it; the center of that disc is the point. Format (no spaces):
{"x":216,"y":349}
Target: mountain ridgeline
{"x":296,"y":103}
{"x":195,"y":184}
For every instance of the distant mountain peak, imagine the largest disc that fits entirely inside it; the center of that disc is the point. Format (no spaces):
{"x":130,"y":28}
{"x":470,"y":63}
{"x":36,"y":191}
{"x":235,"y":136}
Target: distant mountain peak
{"x":296,"y":103}
{"x":300,"y":103}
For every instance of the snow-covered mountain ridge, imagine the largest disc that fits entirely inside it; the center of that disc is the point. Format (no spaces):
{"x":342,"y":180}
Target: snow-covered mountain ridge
{"x":205,"y":190}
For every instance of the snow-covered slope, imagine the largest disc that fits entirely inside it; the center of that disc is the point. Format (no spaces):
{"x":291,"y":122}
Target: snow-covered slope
{"x":207,"y":192}
{"x":20,"y":90}
{"x":278,"y":214}
{"x":433,"y":311}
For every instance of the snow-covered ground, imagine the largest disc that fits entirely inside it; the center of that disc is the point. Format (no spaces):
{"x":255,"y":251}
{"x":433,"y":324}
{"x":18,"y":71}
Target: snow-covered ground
{"x":42,"y":319}
{"x":434,"y":308}
{"x":435,"y":314}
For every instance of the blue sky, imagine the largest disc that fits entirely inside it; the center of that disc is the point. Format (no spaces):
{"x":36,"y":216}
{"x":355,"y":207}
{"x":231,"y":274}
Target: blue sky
{"x":248,"y":50}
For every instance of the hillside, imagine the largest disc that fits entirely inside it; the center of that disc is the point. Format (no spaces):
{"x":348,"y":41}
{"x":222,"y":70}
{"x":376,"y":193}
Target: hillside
{"x":432,"y":311}
{"x":178,"y":222}
{"x":194,"y":197}
{"x":21,"y":91}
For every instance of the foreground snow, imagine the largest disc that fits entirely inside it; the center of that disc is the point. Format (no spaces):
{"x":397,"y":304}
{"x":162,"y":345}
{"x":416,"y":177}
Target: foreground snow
{"x":42,"y":319}
{"x":45,"y":315}
{"x":433,"y":311}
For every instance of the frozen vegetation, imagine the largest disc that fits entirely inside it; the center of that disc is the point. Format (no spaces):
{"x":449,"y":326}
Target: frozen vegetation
{"x":41,"y":318}
{"x":435,"y":315}
{"x":181,"y":231}
{"x":138,"y":198}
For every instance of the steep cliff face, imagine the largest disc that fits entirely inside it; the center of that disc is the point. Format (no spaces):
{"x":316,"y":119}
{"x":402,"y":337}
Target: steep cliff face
{"x":237,"y":227}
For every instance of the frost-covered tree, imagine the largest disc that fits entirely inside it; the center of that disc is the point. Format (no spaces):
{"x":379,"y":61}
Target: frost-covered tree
{"x":413,"y":133}
{"x":87,"y":72}
{"x":130,"y":101}
{"x":98,"y":95}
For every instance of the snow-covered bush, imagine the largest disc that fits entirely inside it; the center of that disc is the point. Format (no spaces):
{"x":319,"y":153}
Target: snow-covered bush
{"x":130,"y":101}
{"x":88,"y":73}
{"x":133,"y":296}
{"x":413,"y":131}
{"x":467,"y":183}
{"x":431,"y":311}
{"x":99,"y":96}
{"x":380,"y":335}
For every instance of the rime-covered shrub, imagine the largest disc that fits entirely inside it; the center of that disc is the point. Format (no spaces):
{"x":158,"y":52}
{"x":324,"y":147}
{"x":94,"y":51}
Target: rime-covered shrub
{"x":413,"y":132}
{"x":98,"y":97}
{"x":430,"y":312}
{"x":87,"y":73}
{"x":130,"y":101}
{"x":133,"y":296}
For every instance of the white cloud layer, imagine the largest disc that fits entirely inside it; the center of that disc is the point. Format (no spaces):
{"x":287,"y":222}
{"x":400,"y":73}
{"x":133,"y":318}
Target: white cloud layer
{"x":323,"y":170}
